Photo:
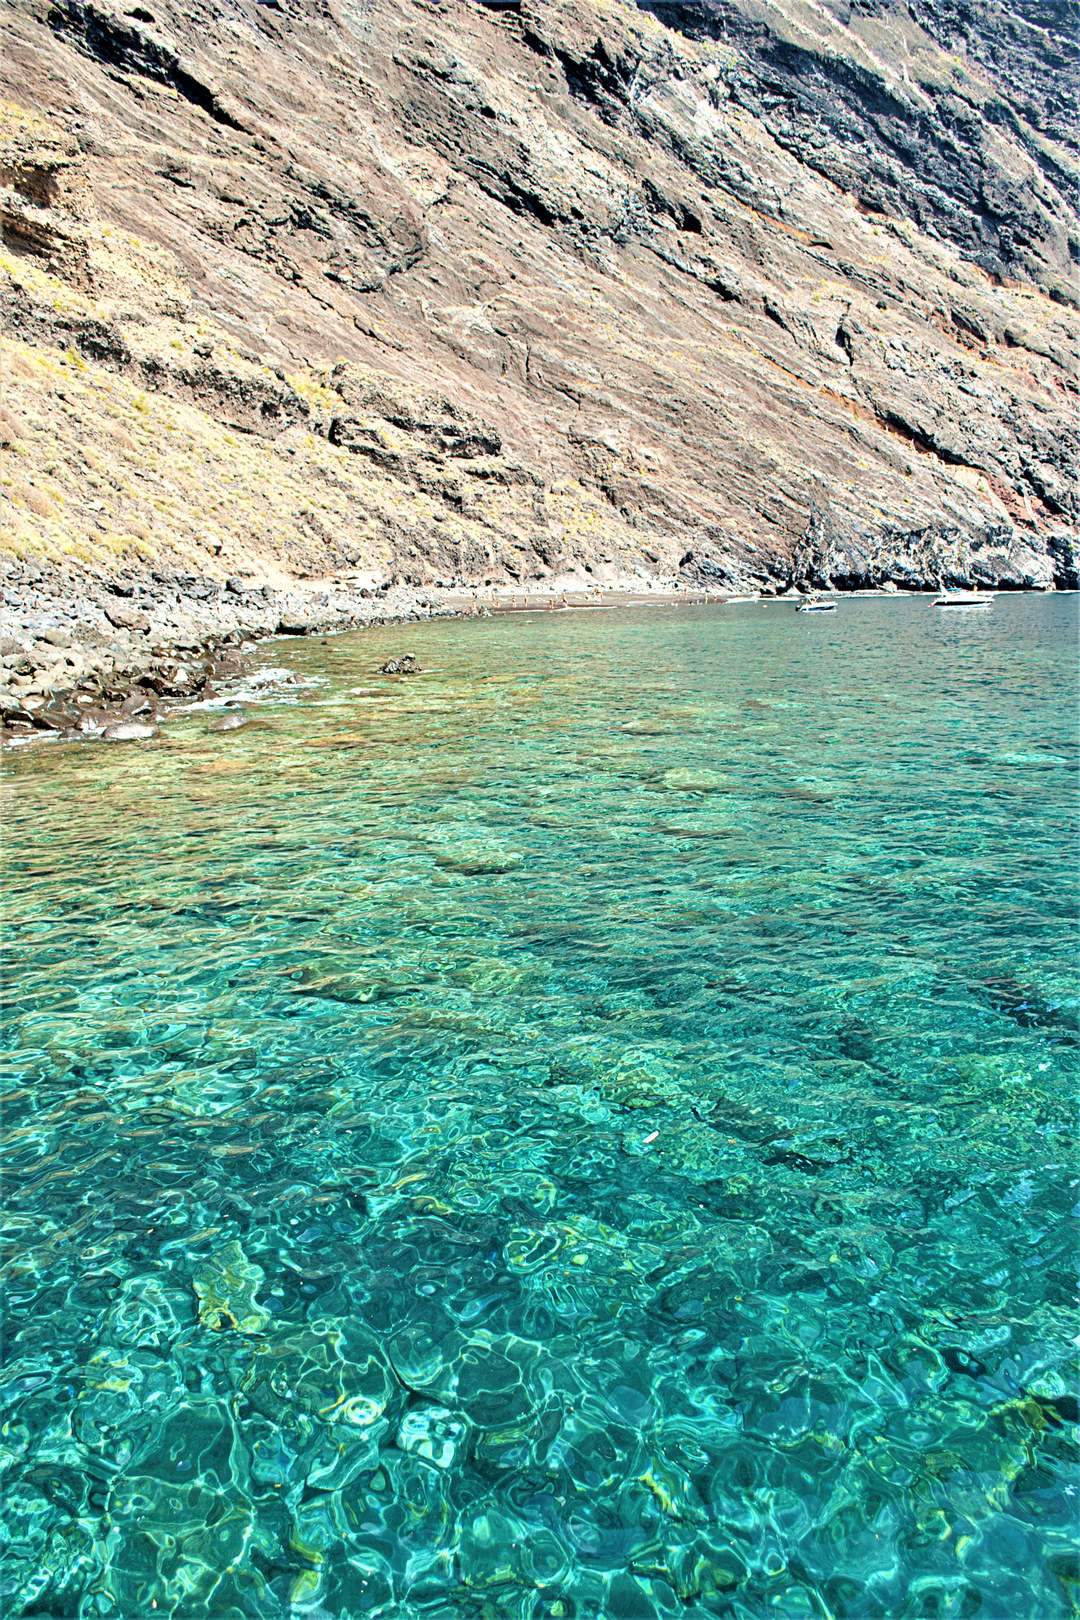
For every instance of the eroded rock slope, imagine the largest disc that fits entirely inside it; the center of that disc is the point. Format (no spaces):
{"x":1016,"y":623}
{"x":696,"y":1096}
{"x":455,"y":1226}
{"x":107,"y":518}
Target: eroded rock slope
{"x":298,"y":293}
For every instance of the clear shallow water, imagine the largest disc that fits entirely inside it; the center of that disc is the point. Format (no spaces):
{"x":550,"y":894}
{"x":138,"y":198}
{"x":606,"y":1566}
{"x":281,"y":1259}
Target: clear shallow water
{"x":584,"y":1132}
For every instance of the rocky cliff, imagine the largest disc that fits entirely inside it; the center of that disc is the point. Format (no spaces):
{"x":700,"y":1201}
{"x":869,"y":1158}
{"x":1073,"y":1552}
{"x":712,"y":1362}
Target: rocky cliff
{"x":342,"y":296}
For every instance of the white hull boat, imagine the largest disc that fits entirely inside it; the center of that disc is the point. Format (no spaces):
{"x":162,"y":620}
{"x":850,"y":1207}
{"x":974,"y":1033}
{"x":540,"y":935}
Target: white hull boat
{"x":963,"y":599}
{"x":816,"y":607}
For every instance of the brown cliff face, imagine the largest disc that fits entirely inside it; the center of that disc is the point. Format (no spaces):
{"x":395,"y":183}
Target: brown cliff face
{"x":749,"y":292}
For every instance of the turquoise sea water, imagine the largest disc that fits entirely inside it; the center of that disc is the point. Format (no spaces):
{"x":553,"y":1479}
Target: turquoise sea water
{"x":582,"y":1132}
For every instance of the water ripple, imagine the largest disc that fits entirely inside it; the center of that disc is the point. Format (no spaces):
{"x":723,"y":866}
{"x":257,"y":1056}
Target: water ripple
{"x":585,"y":1132}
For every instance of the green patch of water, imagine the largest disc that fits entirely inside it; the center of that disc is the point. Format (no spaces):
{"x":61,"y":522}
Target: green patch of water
{"x":584,"y":1132}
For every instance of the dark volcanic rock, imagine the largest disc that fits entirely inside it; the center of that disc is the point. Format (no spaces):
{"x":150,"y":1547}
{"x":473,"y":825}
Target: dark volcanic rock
{"x":55,"y":716}
{"x":924,"y":146}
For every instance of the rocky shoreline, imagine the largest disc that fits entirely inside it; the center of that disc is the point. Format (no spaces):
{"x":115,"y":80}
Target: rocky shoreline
{"x":110,"y":663}
{"x":644,"y":293}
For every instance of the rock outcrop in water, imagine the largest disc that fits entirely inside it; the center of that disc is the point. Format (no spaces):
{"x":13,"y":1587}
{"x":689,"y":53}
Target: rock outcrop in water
{"x":303,"y":303}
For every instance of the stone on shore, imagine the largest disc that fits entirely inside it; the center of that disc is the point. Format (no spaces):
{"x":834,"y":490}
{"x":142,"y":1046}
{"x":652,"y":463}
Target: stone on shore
{"x":130,"y":731}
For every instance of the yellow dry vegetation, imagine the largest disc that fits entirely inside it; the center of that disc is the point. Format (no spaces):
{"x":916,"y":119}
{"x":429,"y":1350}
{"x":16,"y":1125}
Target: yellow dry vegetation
{"x":98,"y":470}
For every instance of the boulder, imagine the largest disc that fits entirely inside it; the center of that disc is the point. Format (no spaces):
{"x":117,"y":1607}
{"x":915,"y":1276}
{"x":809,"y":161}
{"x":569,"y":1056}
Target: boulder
{"x":130,"y":731}
{"x":136,"y":703}
{"x":171,"y":679}
{"x":126,"y":618}
{"x":13,"y":712}
{"x":55,"y":716}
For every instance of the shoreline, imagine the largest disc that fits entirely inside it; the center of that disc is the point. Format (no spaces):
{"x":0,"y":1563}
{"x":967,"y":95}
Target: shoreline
{"x":121,"y":685}
{"x":76,"y":666}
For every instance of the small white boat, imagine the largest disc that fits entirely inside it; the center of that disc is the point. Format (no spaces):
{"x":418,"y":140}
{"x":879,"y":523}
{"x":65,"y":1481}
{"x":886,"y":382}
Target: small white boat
{"x":813,"y":605}
{"x":963,"y":599}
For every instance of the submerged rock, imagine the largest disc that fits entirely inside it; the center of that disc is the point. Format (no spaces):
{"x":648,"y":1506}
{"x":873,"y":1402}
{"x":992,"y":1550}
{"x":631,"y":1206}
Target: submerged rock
{"x":476,"y":860}
{"x":692,"y":781}
{"x":336,"y":1377}
{"x":350,"y":988}
{"x":230,"y":722}
{"x":261,"y":680}
{"x":433,"y":1432}
{"x":225,"y":1284}
{"x":406,"y":665}
{"x":130,"y":731}
{"x":1030,"y":1006}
